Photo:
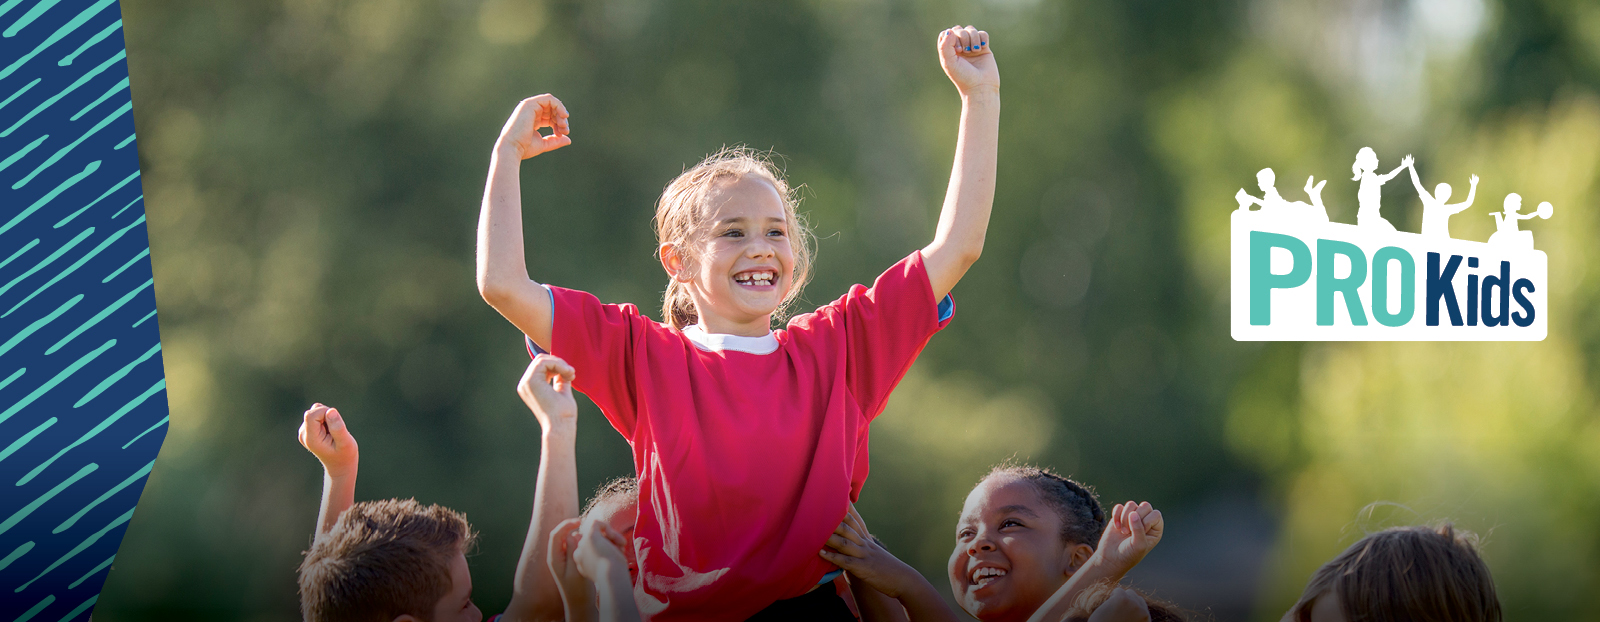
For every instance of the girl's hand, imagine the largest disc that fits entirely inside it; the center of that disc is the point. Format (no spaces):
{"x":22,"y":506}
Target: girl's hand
{"x":1134,"y":530}
{"x":324,"y":434}
{"x":520,"y":137}
{"x":858,"y":553}
{"x":547,"y":390}
{"x":965,"y":55}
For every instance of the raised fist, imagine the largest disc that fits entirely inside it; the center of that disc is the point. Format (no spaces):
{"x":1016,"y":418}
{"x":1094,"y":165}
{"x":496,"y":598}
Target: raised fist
{"x":1133,"y":531}
{"x":965,"y":55}
{"x":324,"y":434}
{"x":521,"y":138}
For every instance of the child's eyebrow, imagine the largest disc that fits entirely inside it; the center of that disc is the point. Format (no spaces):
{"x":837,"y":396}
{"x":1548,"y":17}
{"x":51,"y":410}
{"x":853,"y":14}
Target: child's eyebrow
{"x":1018,"y":509}
{"x":739,"y":219}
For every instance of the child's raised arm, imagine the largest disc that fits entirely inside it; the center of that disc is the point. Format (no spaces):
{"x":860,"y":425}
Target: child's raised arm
{"x":1406,"y":162}
{"x":546,"y":388}
{"x":1472,"y":193}
{"x":964,"y":53}
{"x":1133,"y":531}
{"x":502,"y":267}
{"x":1417,"y":182}
{"x":324,"y":434}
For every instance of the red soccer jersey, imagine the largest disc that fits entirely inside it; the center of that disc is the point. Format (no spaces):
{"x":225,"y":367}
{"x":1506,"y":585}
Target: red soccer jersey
{"x":745,"y":460}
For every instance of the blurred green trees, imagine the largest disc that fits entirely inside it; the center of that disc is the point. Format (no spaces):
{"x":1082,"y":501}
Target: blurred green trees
{"x":313,"y":169}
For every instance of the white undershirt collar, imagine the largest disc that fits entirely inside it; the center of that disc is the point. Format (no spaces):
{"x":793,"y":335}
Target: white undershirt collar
{"x":712,"y":342}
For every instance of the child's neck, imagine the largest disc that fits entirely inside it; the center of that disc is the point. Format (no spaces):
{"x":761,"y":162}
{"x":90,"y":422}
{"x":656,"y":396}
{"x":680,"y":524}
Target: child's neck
{"x":757,"y":327}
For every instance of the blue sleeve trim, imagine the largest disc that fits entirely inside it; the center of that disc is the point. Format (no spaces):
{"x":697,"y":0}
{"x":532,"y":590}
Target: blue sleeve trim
{"x":830,"y":576}
{"x":947,"y":308}
{"x":533,"y":348}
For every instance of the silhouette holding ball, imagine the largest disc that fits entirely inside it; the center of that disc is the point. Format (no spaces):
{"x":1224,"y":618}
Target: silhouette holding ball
{"x":1505,"y":223}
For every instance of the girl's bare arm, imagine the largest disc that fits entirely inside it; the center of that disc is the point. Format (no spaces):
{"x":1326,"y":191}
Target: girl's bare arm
{"x":964,"y":53}
{"x":502,"y":269}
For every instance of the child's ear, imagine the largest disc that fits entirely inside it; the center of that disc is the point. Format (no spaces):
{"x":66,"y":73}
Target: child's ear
{"x":1077,"y":556}
{"x":673,"y":262}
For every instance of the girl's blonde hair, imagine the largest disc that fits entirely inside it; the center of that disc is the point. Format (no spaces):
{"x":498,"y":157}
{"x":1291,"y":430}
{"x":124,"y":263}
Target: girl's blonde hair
{"x":682,"y":212}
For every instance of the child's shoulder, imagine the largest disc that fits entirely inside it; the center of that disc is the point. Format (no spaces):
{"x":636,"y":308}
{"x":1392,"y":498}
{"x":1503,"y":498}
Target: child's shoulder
{"x":581,"y":304}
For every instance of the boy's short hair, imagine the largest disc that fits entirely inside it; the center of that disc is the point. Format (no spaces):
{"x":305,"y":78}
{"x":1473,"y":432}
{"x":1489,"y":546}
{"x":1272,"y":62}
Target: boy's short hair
{"x":1411,"y":574}
{"x":383,"y":559}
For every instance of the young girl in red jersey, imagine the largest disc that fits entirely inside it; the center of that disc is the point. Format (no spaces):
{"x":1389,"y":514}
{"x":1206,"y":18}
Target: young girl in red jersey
{"x":748,"y":442}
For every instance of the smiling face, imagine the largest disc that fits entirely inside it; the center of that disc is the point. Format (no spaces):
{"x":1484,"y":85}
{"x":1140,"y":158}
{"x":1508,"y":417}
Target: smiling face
{"x":741,"y":266}
{"x":1009,"y":555}
{"x":457,"y":605}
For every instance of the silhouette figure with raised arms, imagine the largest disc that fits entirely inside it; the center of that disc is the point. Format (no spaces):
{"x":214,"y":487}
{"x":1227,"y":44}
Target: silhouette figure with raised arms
{"x":1371,"y":190}
{"x":1435,"y":213}
{"x":1505,"y":223}
{"x":1273,"y":203}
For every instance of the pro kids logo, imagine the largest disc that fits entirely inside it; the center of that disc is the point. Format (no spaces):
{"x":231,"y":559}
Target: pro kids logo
{"x":1299,"y":277}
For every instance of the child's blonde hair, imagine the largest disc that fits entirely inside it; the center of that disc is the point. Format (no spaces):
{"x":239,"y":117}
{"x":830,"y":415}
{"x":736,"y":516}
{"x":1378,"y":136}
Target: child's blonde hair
{"x":681,"y":215}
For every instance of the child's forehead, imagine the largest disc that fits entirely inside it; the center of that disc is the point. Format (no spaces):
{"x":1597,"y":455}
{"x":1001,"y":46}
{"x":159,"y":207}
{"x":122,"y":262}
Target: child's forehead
{"x":1002,"y":494}
{"x":748,"y":197}
{"x":460,"y":573}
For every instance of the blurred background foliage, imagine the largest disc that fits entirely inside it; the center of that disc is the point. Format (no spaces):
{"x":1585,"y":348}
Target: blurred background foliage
{"x":313,"y":170}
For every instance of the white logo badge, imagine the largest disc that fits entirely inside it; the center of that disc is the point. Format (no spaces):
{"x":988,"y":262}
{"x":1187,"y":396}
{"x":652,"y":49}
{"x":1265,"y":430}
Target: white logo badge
{"x":1299,"y":277}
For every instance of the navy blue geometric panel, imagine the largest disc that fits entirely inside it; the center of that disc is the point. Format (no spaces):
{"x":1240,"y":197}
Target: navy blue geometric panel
{"x":83,"y":402}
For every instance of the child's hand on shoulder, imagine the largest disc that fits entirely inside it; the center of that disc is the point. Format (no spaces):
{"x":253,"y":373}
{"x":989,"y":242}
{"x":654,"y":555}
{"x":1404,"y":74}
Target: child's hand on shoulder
{"x":546,"y":387}
{"x":858,"y":553}
{"x":520,"y":138}
{"x":1134,"y":530}
{"x":965,"y":55}
{"x":324,"y":434}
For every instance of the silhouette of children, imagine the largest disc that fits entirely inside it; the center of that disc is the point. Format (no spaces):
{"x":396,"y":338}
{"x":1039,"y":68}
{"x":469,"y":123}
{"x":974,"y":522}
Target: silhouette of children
{"x":1505,"y":223}
{"x":1273,"y":203}
{"x":1435,"y":213}
{"x":1371,"y":191}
